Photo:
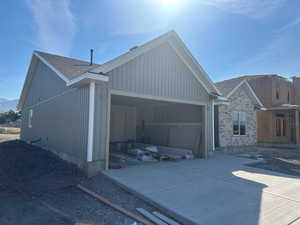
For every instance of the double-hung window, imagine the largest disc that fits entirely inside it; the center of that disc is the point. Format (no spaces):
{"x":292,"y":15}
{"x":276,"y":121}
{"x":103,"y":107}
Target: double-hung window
{"x":239,"y":123}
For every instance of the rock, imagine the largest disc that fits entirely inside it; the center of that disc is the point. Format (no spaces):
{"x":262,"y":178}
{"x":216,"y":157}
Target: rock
{"x":152,"y":149}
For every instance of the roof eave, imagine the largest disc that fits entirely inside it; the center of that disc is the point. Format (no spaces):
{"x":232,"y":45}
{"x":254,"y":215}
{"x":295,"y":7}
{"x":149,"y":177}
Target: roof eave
{"x":87,"y":78}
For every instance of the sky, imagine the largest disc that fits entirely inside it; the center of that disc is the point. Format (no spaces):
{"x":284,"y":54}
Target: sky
{"x":229,"y":38}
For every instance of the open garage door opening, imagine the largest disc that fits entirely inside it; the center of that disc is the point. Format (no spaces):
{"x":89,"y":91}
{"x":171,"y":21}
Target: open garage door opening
{"x":147,"y":131}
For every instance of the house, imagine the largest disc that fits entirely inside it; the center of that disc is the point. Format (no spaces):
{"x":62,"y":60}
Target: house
{"x":156,"y":92}
{"x":235,"y":119}
{"x":278,"y":120}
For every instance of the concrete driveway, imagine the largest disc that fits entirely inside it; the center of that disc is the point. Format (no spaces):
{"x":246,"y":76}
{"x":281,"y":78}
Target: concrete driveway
{"x":218,"y":191}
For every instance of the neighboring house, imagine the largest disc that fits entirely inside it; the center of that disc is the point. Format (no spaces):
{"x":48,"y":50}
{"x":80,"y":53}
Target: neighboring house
{"x":235,"y":120}
{"x":155,"y":92}
{"x":278,"y":122}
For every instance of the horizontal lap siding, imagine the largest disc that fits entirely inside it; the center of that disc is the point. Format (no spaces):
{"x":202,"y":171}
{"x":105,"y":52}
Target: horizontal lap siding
{"x":159,"y":72}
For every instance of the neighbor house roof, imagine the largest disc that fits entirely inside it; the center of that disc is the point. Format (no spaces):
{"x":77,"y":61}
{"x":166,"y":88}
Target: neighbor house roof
{"x":74,"y":71}
{"x":229,"y":87}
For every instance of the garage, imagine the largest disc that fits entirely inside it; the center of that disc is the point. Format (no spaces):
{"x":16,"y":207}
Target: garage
{"x":172,"y":130}
{"x":156,"y":95}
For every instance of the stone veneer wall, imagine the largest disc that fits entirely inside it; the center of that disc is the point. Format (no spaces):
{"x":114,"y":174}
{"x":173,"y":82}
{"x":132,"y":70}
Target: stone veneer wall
{"x":241,"y":102}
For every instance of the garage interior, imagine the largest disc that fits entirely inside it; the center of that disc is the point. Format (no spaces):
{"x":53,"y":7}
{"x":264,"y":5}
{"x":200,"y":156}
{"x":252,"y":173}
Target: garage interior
{"x":146,"y":130}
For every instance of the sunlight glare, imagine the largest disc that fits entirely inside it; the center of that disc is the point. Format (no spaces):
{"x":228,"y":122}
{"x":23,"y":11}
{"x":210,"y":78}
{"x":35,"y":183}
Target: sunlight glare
{"x":170,"y":3}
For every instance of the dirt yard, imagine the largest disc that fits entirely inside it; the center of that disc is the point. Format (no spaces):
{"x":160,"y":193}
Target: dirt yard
{"x":276,"y":159}
{"x":38,"y":188}
{"x":11,"y":133}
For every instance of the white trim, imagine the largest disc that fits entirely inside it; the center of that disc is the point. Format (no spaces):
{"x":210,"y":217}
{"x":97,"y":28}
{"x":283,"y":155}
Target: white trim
{"x":173,"y":124}
{"x":91,"y":122}
{"x":213,"y":125}
{"x":110,"y":65}
{"x":124,"y":58}
{"x":158,"y":98}
{"x":50,"y":99}
{"x":62,"y":76}
{"x":222,"y":98}
{"x":196,"y":62}
{"x":221,"y":103}
{"x":88,"y":75}
{"x":255,"y":96}
{"x":108,"y":131}
{"x":239,"y":124}
{"x":236,"y":88}
{"x":251,"y":90}
{"x":194,"y":73}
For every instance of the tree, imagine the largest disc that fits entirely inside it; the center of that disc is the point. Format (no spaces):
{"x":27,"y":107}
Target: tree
{"x":10,"y":116}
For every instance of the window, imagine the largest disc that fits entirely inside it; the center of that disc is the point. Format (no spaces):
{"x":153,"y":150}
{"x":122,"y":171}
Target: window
{"x":288,"y":97}
{"x":239,"y":123}
{"x":30,"y":118}
{"x":280,"y":127}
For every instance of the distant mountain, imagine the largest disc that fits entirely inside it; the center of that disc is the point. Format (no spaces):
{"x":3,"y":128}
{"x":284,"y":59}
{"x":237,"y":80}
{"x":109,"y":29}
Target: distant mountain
{"x":3,"y":100}
{"x":6,"y":105}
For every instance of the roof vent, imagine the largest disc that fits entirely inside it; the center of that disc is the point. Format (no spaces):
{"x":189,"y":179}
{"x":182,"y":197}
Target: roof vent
{"x":91,"y":60}
{"x":133,"y":48}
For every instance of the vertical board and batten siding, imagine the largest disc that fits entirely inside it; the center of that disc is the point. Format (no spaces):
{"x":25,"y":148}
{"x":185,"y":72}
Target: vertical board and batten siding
{"x":44,"y":85}
{"x":159,"y":72}
{"x":60,"y":116}
{"x":174,"y":125}
{"x":101,"y":123}
{"x":193,"y":64}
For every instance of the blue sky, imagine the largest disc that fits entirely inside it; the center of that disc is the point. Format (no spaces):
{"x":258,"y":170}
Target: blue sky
{"x":228,"y":37}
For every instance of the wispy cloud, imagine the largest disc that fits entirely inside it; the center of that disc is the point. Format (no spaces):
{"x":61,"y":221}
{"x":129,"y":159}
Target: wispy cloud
{"x":251,"y":8}
{"x":290,"y":25}
{"x":55,"y":24}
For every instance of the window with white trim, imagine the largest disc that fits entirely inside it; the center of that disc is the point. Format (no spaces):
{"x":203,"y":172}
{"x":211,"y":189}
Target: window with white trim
{"x":30,"y":115}
{"x":239,"y":123}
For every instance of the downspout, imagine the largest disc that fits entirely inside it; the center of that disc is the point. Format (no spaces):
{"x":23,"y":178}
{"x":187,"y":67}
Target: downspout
{"x":213,"y":125}
{"x":91,"y":121}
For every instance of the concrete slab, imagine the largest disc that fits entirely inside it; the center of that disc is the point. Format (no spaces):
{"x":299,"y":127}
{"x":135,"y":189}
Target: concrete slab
{"x":218,"y":191}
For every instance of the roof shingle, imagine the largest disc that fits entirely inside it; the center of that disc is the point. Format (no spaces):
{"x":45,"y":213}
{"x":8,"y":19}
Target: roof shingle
{"x":70,"y":67}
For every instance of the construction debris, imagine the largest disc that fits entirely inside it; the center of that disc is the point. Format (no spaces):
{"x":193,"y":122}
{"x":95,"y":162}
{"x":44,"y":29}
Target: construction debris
{"x":115,"y":206}
{"x":152,"y":149}
{"x":131,"y":153}
{"x":151,"y":217}
{"x":165,"y":218}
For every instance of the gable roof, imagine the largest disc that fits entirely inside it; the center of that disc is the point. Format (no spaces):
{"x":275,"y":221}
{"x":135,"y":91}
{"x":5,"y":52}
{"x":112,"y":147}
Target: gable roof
{"x":226,"y":85}
{"x":69,"y":67}
{"x":73,"y":71}
{"x":229,"y":87}
{"x":181,"y":50}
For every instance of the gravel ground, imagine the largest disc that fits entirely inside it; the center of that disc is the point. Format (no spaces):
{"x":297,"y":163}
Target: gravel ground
{"x":38,"y":188}
{"x":276,"y":159}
